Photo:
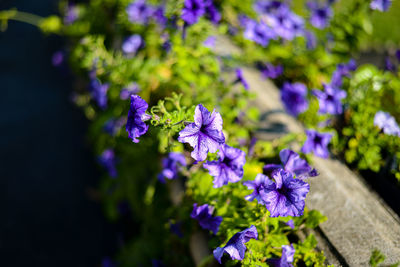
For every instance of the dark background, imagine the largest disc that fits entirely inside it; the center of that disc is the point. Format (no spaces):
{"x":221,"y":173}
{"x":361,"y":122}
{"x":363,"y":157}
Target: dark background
{"x":46,"y":166}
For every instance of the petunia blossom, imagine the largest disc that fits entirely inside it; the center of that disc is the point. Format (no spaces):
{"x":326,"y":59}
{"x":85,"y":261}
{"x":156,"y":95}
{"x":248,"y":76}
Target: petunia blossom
{"x":317,"y":143}
{"x":271,"y":71}
{"x":203,"y":214}
{"x":241,"y":79}
{"x":129,"y":90}
{"x":257,"y":185}
{"x":294,"y":98}
{"x":258,"y":32}
{"x":229,"y":166}
{"x":285,"y":196}
{"x":99,"y":92}
{"x":236,"y":247}
{"x":381,"y":5}
{"x":286,"y":259}
{"x":294,"y":164}
{"x":193,"y":10}
{"x":132,"y":44}
{"x":330,"y":100}
{"x":386,"y":123}
{"x":135,"y":125}
{"x":342,"y":70}
{"x":171,"y":165}
{"x":320,"y":14}
{"x":107,"y":159}
{"x":139,"y":12}
{"x":204,"y":134}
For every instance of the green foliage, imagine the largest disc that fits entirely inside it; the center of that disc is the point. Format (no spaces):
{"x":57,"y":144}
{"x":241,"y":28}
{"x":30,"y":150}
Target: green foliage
{"x":376,"y":258}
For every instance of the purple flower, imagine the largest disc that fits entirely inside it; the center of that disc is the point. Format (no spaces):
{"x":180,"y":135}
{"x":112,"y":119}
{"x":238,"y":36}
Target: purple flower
{"x":58,"y":58}
{"x":212,"y":12}
{"x":292,"y":163}
{"x":257,"y":185}
{"x":139,"y":12}
{"x":286,"y":259}
{"x":159,"y":16}
{"x":176,"y":229}
{"x":290,"y":223}
{"x":241,"y":79}
{"x":389,"y":66}
{"x":171,"y":166}
{"x":210,"y":42}
{"x":228,"y":168}
{"x":320,"y":15}
{"x":317,"y":143}
{"x":398,"y":54}
{"x":99,"y":92}
{"x":381,"y":5}
{"x":107,"y":160}
{"x":271,"y":71}
{"x":287,"y":24}
{"x":330,"y":100}
{"x":203,"y":214}
{"x":132,"y":44}
{"x":294,"y":98}
{"x":285,"y":196}
{"x":259,"y":33}
{"x":192,"y":11}
{"x":341,"y":71}
{"x":311,"y":40}
{"x":205,"y":134}
{"x":135,"y":125}
{"x":112,"y":126}
{"x":268,"y":6}
{"x":71,"y":14}
{"x":236,"y":245}
{"x":386,"y":123}
{"x":126,"y":92}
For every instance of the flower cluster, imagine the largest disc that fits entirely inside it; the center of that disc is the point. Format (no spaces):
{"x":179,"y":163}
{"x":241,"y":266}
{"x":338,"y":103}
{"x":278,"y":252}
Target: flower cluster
{"x":135,"y":125}
{"x":203,"y":214}
{"x":294,"y":98}
{"x":386,"y":123}
{"x":171,"y":165}
{"x":194,"y":9}
{"x":320,"y":14}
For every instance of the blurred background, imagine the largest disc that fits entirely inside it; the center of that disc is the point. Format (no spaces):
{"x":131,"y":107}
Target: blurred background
{"x":49,"y":217}
{"x":48,"y":171}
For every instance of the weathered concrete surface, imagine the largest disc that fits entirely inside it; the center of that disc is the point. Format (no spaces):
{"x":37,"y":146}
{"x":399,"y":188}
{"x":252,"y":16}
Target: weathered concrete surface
{"x":358,"y":220}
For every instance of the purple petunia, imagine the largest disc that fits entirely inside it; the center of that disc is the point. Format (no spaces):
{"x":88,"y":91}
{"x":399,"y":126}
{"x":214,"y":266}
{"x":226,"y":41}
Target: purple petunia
{"x":210,"y":42}
{"x":311,"y":40}
{"x":294,"y":164}
{"x":58,"y":58}
{"x":258,"y":32}
{"x":228,"y":168}
{"x":287,"y":24}
{"x":241,"y":79}
{"x":112,"y":126}
{"x":268,"y":6}
{"x":271,"y":71}
{"x":294,"y":98}
{"x":286,"y":259}
{"x":285,"y":196}
{"x":140,"y":12}
{"x":203,"y":214}
{"x":236,"y":247}
{"x":381,"y":5}
{"x":212,"y":12}
{"x":386,"y":123}
{"x":126,"y":92}
{"x":132,"y":44}
{"x":342,"y":70}
{"x":192,"y":11}
{"x":135,"y":125}
{"x":171,"y":166}
{"x":107,"y":160}
{"x":389,"y":66}
{"x":317,"y":143}
{"x":71,"y":14}
{"x":257,"y":185}
{"x":204,"y":134}
{"x":99,"y":92}
{"x":290,"y":223}
{"x":320,"y":15}
{"x":330,"y":100}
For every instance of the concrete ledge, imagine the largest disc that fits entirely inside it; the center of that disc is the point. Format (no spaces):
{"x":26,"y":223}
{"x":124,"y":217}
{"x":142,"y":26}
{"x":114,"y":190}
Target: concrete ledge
{"x":358,"y":220}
